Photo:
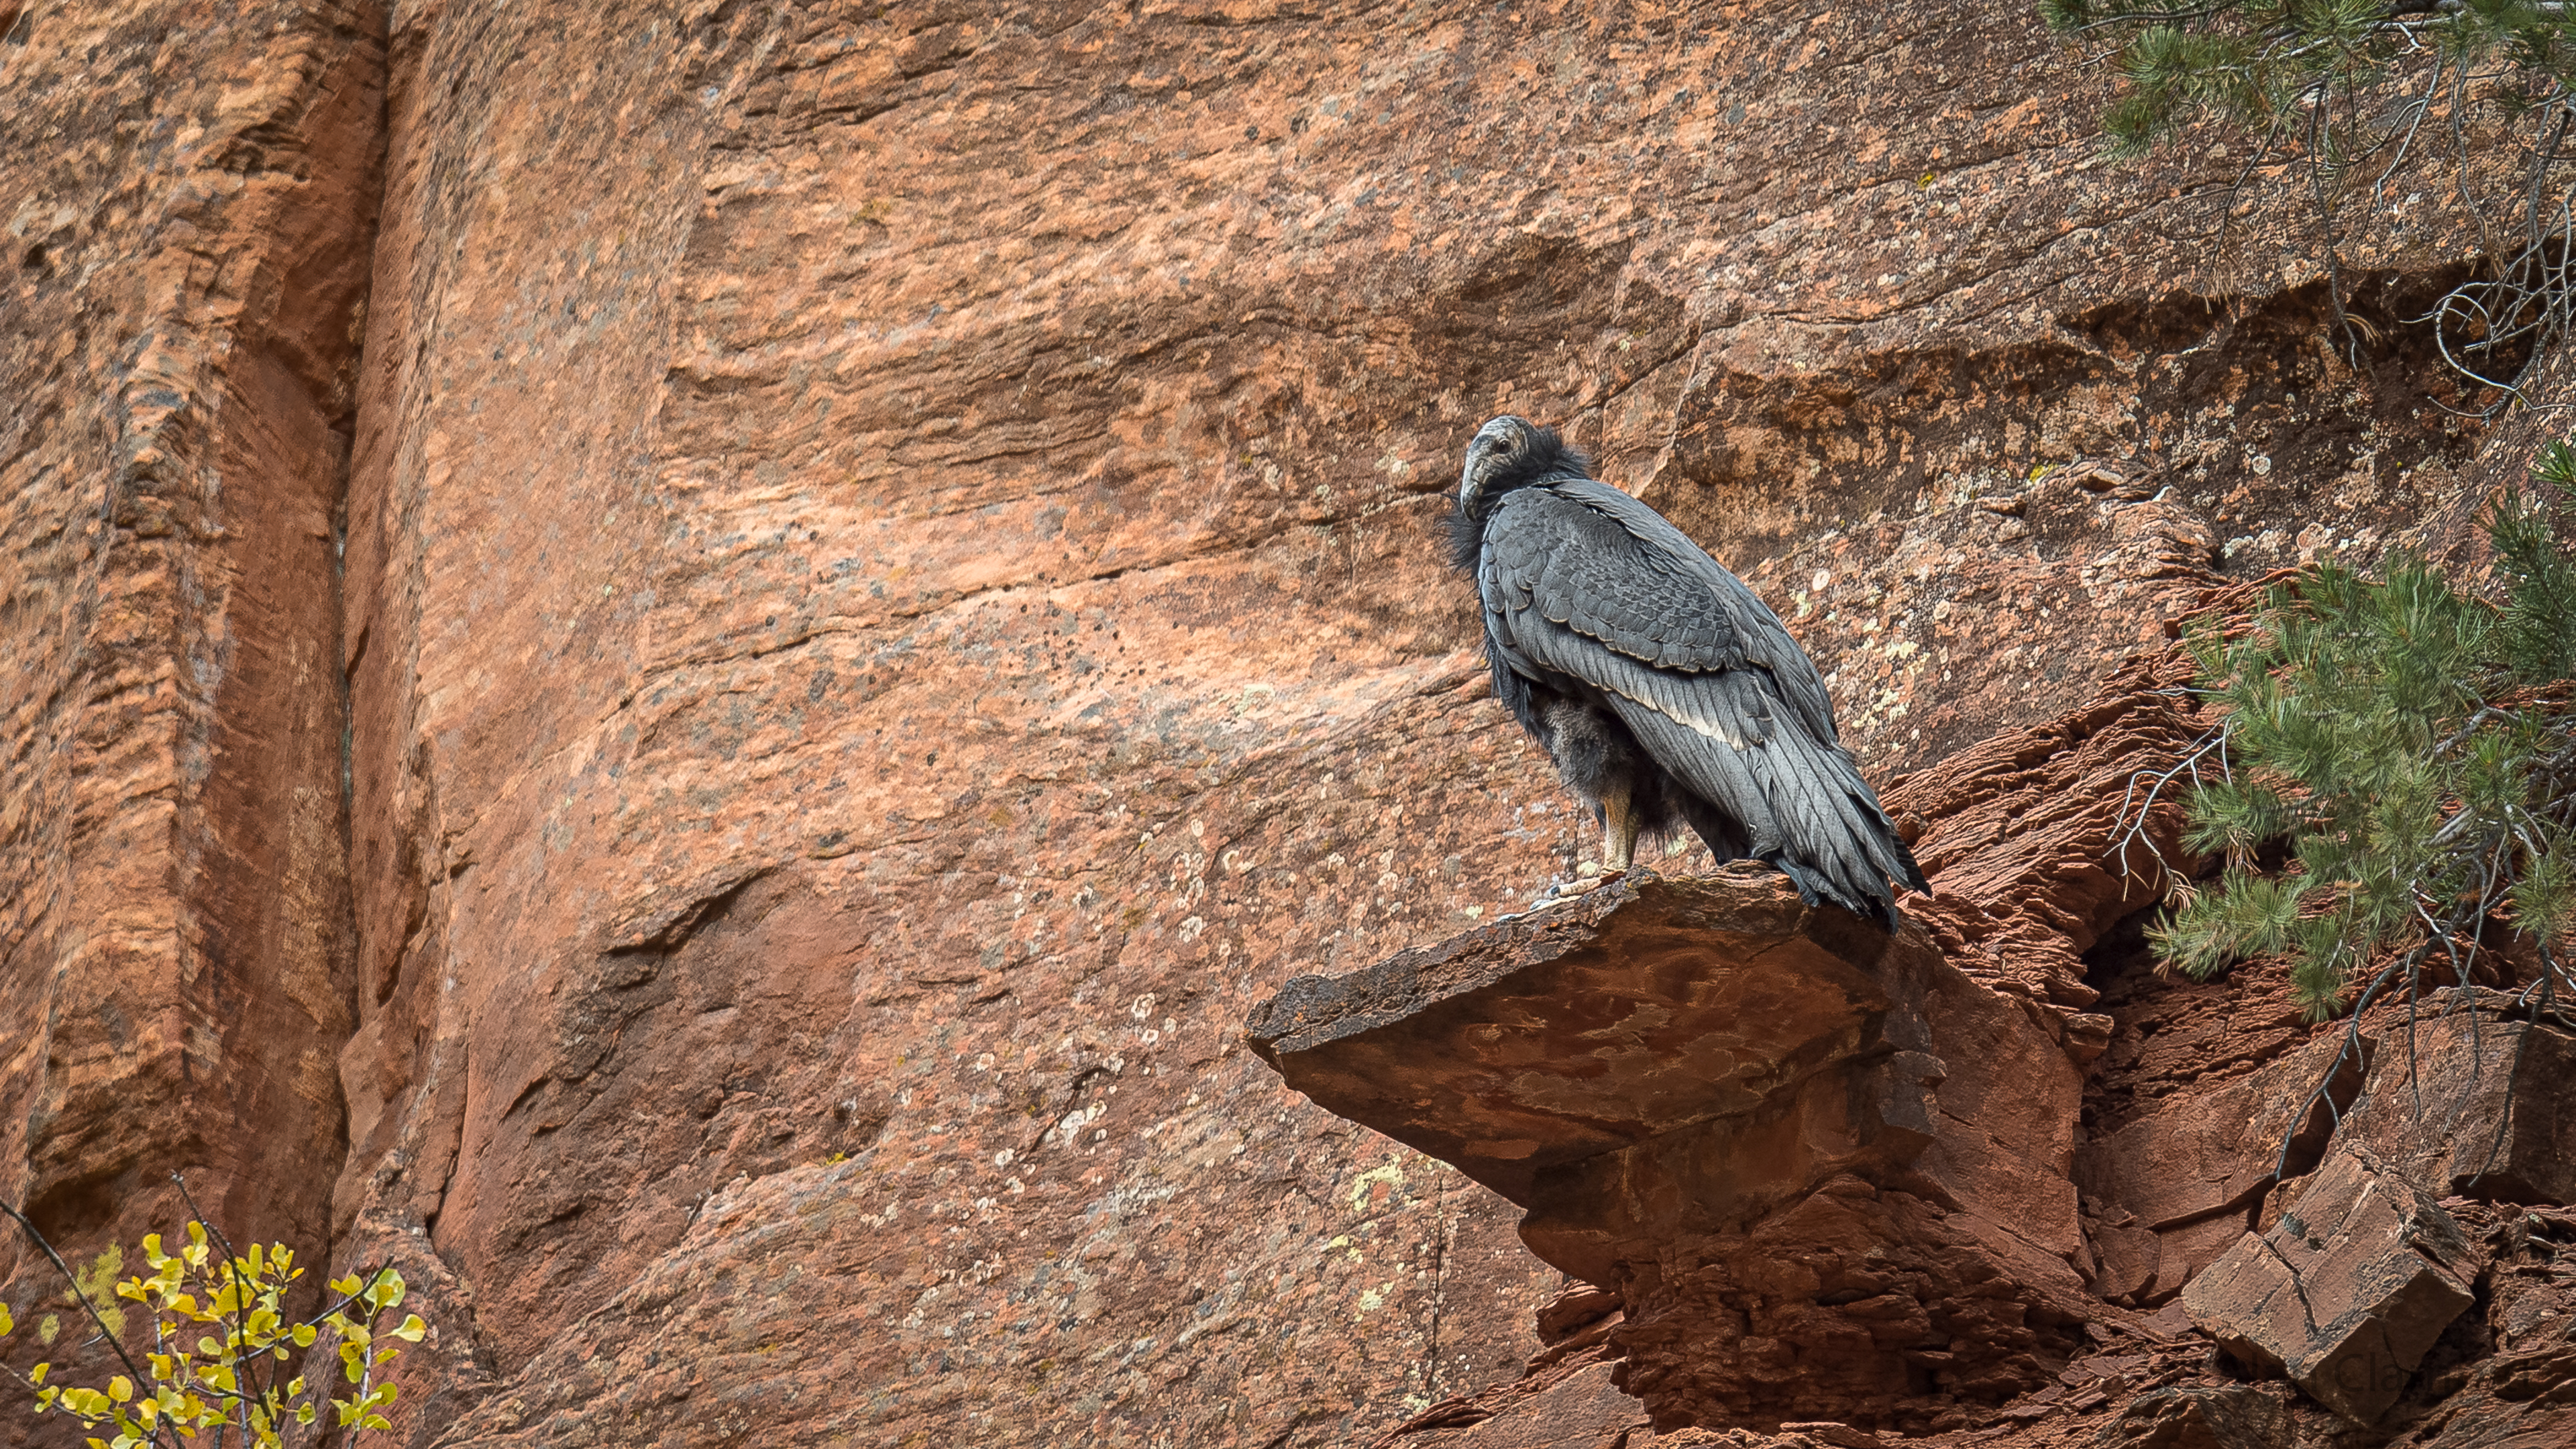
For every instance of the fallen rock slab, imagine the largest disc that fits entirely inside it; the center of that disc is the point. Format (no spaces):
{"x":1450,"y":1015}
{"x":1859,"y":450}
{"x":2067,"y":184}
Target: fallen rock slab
{"x":2347,"y":1293}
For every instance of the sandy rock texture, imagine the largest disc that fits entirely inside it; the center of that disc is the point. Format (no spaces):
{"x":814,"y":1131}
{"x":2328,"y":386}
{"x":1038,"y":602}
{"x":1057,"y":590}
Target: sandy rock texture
{"x":703,"y":654}
{"x":187,"y":211}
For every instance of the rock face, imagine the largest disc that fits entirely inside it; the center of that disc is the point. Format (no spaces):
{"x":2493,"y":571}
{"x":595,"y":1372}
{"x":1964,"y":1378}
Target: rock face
{"x":189,"y":205}
{"x":2476,"y":1100}
{"x":684,"y":667}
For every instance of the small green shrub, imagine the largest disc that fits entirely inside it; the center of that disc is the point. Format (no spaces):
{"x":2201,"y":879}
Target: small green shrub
{"x":2413,"y":748}
{"x":219,"y":1334}
{"x":2272,"y":66}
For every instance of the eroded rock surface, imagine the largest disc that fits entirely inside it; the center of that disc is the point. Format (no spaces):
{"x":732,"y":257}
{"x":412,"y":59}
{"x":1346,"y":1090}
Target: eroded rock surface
{"x":187,"y":206}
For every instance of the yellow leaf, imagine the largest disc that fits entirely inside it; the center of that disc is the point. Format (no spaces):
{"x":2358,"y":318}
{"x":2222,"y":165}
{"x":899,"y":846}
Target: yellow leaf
{"x":304,"y":1413}
{"x":120,"y":1388}
{"x":36,"y":1375}
{"x":387,"y":1355}
{"x":346,"y":1287}
{"x":197,"y":1234}
{"x":6,"y":1322}
{"x":375,"y":1421}
{"x":303,"y":1335}
{"x":411,"y":1330}
{"x":295,"y":1386}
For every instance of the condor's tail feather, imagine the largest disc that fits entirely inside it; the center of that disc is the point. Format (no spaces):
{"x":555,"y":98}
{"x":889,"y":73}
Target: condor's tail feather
{"x":1803,"y":806}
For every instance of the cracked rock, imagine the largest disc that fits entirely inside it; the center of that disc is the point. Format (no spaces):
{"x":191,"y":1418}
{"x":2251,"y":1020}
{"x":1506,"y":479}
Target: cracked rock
{"x":2200,"y":1416}
{"x":2347,"y":1293}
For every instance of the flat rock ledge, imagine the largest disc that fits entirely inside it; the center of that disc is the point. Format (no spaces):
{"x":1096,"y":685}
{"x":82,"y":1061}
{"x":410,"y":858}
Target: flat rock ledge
{"x":1824,"y":1169}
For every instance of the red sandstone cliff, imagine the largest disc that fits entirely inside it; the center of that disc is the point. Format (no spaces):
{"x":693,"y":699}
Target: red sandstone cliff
{"x":685,"y":666}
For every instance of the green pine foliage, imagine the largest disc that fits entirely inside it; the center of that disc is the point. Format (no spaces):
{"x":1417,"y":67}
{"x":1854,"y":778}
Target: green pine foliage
{"x":2409,"y":752}
{"x":2542,"y":592}
{"x":2266,"y":64}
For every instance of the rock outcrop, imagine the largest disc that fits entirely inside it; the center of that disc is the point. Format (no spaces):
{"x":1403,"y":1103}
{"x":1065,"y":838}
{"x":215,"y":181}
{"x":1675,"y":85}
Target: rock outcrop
{"x":1724,"y":1107}
{"x":1799,"y":1169}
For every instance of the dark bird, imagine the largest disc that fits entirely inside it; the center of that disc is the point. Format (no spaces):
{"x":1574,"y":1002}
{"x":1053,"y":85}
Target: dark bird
{"x":1662,"y":687}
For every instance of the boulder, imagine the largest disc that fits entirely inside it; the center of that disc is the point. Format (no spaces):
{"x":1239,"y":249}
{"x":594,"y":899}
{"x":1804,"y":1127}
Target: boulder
{"x":2347,"y":1293}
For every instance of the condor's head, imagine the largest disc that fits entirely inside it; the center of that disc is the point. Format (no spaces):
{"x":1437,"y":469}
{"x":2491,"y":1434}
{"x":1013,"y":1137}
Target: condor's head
{"x":1506,"y":453}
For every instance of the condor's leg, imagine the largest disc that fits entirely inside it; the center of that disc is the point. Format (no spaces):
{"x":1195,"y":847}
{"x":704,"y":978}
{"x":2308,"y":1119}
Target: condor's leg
{"x":1618,"y":829}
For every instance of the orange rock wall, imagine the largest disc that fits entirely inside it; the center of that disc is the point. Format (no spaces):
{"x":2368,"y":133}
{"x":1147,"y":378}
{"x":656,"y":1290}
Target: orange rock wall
{"x":889,"y":592}
{"x":189,"y":209}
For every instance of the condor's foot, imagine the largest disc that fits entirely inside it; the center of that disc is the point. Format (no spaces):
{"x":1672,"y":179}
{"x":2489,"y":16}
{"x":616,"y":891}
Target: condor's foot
{"x":1587,"y":876}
